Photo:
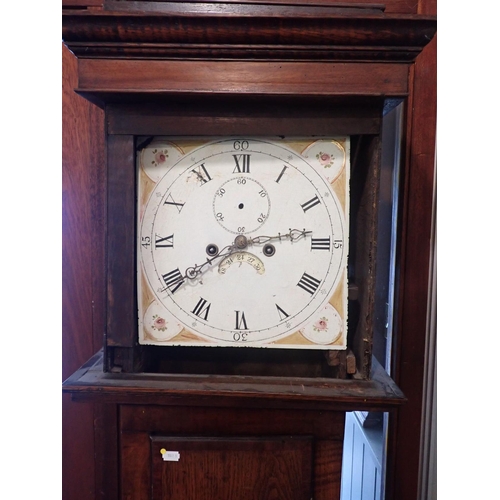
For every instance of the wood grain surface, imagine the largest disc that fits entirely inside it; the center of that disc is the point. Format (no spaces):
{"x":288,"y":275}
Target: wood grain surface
{"x":83,"y":252}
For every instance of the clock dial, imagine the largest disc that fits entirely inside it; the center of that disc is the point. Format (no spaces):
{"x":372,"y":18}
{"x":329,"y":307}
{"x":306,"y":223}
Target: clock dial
{"x":243,"y":242}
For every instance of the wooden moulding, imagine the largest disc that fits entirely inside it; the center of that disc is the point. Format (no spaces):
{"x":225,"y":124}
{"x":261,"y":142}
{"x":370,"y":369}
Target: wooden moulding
{"x":215,"y":30}
{"x":124,"y":80}
{"x":91,"y":383}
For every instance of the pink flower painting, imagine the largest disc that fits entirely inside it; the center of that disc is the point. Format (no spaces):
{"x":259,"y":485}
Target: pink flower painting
{"x":325,"y":159}
{"x":159,"y":323}
{"x":321,"y":325}
{"x":160,"y":156}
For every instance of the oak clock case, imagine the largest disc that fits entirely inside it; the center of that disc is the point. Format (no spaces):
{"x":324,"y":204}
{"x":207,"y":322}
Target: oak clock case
{"x":243,"y":242}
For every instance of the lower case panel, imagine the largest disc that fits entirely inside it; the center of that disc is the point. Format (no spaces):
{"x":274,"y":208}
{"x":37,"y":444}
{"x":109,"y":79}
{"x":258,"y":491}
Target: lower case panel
{"x":231,"y":468}
{"x":180,"y":453}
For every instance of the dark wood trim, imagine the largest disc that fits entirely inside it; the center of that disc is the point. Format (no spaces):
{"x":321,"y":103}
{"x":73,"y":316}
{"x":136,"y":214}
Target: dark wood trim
{"x":82,"y":4}
{"x":257,"y":116}
{"x":395,"y":6}
{"x":92,"y":383}
{"x":160,"y":5}
{"x":244,"y":31}
{"x":106,"y":417}
{"x":409,"y":350}
{"x":121,"y":278}
{"x":101,"y":78}
{"x":82,"y":145}
{"x":232,"y":422}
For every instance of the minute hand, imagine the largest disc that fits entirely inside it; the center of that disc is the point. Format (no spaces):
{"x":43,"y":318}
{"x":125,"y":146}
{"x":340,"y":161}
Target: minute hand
{"x":292,"y":235}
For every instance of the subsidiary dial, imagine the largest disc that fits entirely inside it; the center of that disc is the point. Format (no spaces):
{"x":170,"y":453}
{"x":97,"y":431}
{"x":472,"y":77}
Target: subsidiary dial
{"x":241,"y":205}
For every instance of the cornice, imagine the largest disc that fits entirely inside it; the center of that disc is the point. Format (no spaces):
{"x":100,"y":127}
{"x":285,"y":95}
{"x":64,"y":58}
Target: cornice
{"x":215,"y":31}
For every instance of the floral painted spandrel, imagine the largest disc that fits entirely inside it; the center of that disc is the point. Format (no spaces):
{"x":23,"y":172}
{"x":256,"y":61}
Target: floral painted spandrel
{"x":326,"y":328}
{"x":329,"y":157}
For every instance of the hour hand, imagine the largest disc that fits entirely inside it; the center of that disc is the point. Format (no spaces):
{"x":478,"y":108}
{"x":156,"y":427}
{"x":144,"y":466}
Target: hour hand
{"x":292,"y":235}
{"x":175,"y":279}
{"x":214,"y":253}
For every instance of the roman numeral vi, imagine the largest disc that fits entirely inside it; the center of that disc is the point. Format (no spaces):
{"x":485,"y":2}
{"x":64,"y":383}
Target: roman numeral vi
{"x":241,"y":323}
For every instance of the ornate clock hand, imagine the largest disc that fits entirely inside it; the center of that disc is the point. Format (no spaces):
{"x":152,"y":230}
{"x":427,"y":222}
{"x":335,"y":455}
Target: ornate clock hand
{"x":292,"y":235}
{"x":194,"y":271}
{"x":240,"y":243}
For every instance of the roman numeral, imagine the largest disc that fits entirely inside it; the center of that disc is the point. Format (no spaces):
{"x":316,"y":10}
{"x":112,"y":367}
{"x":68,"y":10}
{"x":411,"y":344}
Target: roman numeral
{"x":281,"y":173}
{"x":202,"y":308}
{"x":202,"y":174}
{"x":173,"y":280}
{"x":311,"y":203}
{"x":170,"y":201}
{"x":241,"y":323}
{"x":320,"y":243}
{"x":281,"y":313}
{"x":308,"y":283}
{"x":242,"y":164}
{"x":167,"y":242}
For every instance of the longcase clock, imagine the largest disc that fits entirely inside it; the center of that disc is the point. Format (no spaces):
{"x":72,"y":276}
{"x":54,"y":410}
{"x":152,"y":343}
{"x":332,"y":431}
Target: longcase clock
{"x":241,"y":191}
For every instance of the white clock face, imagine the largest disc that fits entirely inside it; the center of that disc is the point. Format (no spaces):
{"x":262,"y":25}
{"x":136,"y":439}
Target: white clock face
{"x":242,"y":242}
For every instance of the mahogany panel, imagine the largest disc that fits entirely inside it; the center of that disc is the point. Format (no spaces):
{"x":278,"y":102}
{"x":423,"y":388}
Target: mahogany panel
{"x":327,"y":469}
{"x":427,"y":7}
{"x":250,"y":468}
{"x":400,"y":6}
{"x":389,"y":6}
{"x":408,"y":369}
{"x":135,"y":466}
{"x":198,"y":77}
{"x":77,"y":466}
{"x":162,"y":5}
{"x":233,"y":421}
{"x":82,"y":3}
{"x":81,"y":142}
{"x":82,"y":145}
{"x":121,"y":280}
{"x":106,"y":451}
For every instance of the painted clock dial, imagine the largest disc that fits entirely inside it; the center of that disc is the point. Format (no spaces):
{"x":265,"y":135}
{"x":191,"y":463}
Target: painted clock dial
{"x":243,"y":242}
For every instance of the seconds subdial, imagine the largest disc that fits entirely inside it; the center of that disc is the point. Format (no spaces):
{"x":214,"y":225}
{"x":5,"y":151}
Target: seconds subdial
{"x":241,"y":205}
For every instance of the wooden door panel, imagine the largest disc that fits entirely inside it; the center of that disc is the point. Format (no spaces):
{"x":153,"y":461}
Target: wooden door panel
{"x":246,"y":468}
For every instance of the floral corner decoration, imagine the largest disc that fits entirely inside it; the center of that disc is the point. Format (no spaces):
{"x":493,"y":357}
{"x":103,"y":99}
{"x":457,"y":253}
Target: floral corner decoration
{"x":325,"y":159}
{"x":160,"y":156}
{"x":321,"y":325}
{"x":159,"y":323}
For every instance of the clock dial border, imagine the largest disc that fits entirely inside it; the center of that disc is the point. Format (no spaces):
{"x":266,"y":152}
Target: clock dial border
{"x":191,"y":159}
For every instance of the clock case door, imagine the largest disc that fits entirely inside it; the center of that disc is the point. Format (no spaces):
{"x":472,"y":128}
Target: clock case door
{"x":132,"y":126}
